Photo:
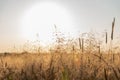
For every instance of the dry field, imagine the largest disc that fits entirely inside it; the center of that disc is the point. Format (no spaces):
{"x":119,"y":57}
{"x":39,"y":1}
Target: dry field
{"x":84,"y":58}
{"x":59,"y":66}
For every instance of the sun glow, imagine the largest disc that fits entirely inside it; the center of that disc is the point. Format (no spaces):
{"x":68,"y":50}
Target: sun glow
{"x":40,"y":19}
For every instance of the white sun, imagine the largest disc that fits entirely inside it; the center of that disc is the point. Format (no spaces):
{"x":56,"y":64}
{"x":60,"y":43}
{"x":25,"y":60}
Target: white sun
{"x":40,"y":19}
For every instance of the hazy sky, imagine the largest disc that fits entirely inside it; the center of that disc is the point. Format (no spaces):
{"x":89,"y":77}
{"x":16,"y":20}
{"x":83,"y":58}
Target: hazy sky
{"x":95,"y":15}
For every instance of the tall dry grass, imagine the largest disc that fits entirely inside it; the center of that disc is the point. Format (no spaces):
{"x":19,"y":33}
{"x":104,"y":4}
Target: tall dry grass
{"x":82,"y":58}
{"x":86,"y":66}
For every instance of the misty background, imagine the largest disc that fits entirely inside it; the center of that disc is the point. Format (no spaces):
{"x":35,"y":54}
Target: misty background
{"x":96,"y":15}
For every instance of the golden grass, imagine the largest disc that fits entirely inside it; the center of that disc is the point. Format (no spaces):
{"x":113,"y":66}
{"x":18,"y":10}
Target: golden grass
{"x":54,"y":67}
{"x":75,"y":59}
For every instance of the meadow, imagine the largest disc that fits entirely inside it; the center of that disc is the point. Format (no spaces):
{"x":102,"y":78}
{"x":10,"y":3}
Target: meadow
{"x":83,"y":58}
{"x":59,"y":66}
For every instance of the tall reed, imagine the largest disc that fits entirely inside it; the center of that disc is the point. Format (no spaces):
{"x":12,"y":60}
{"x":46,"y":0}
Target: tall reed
{"x":113,"y":24}
{"x":106,"y":39}
{"x":80,"y":43}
